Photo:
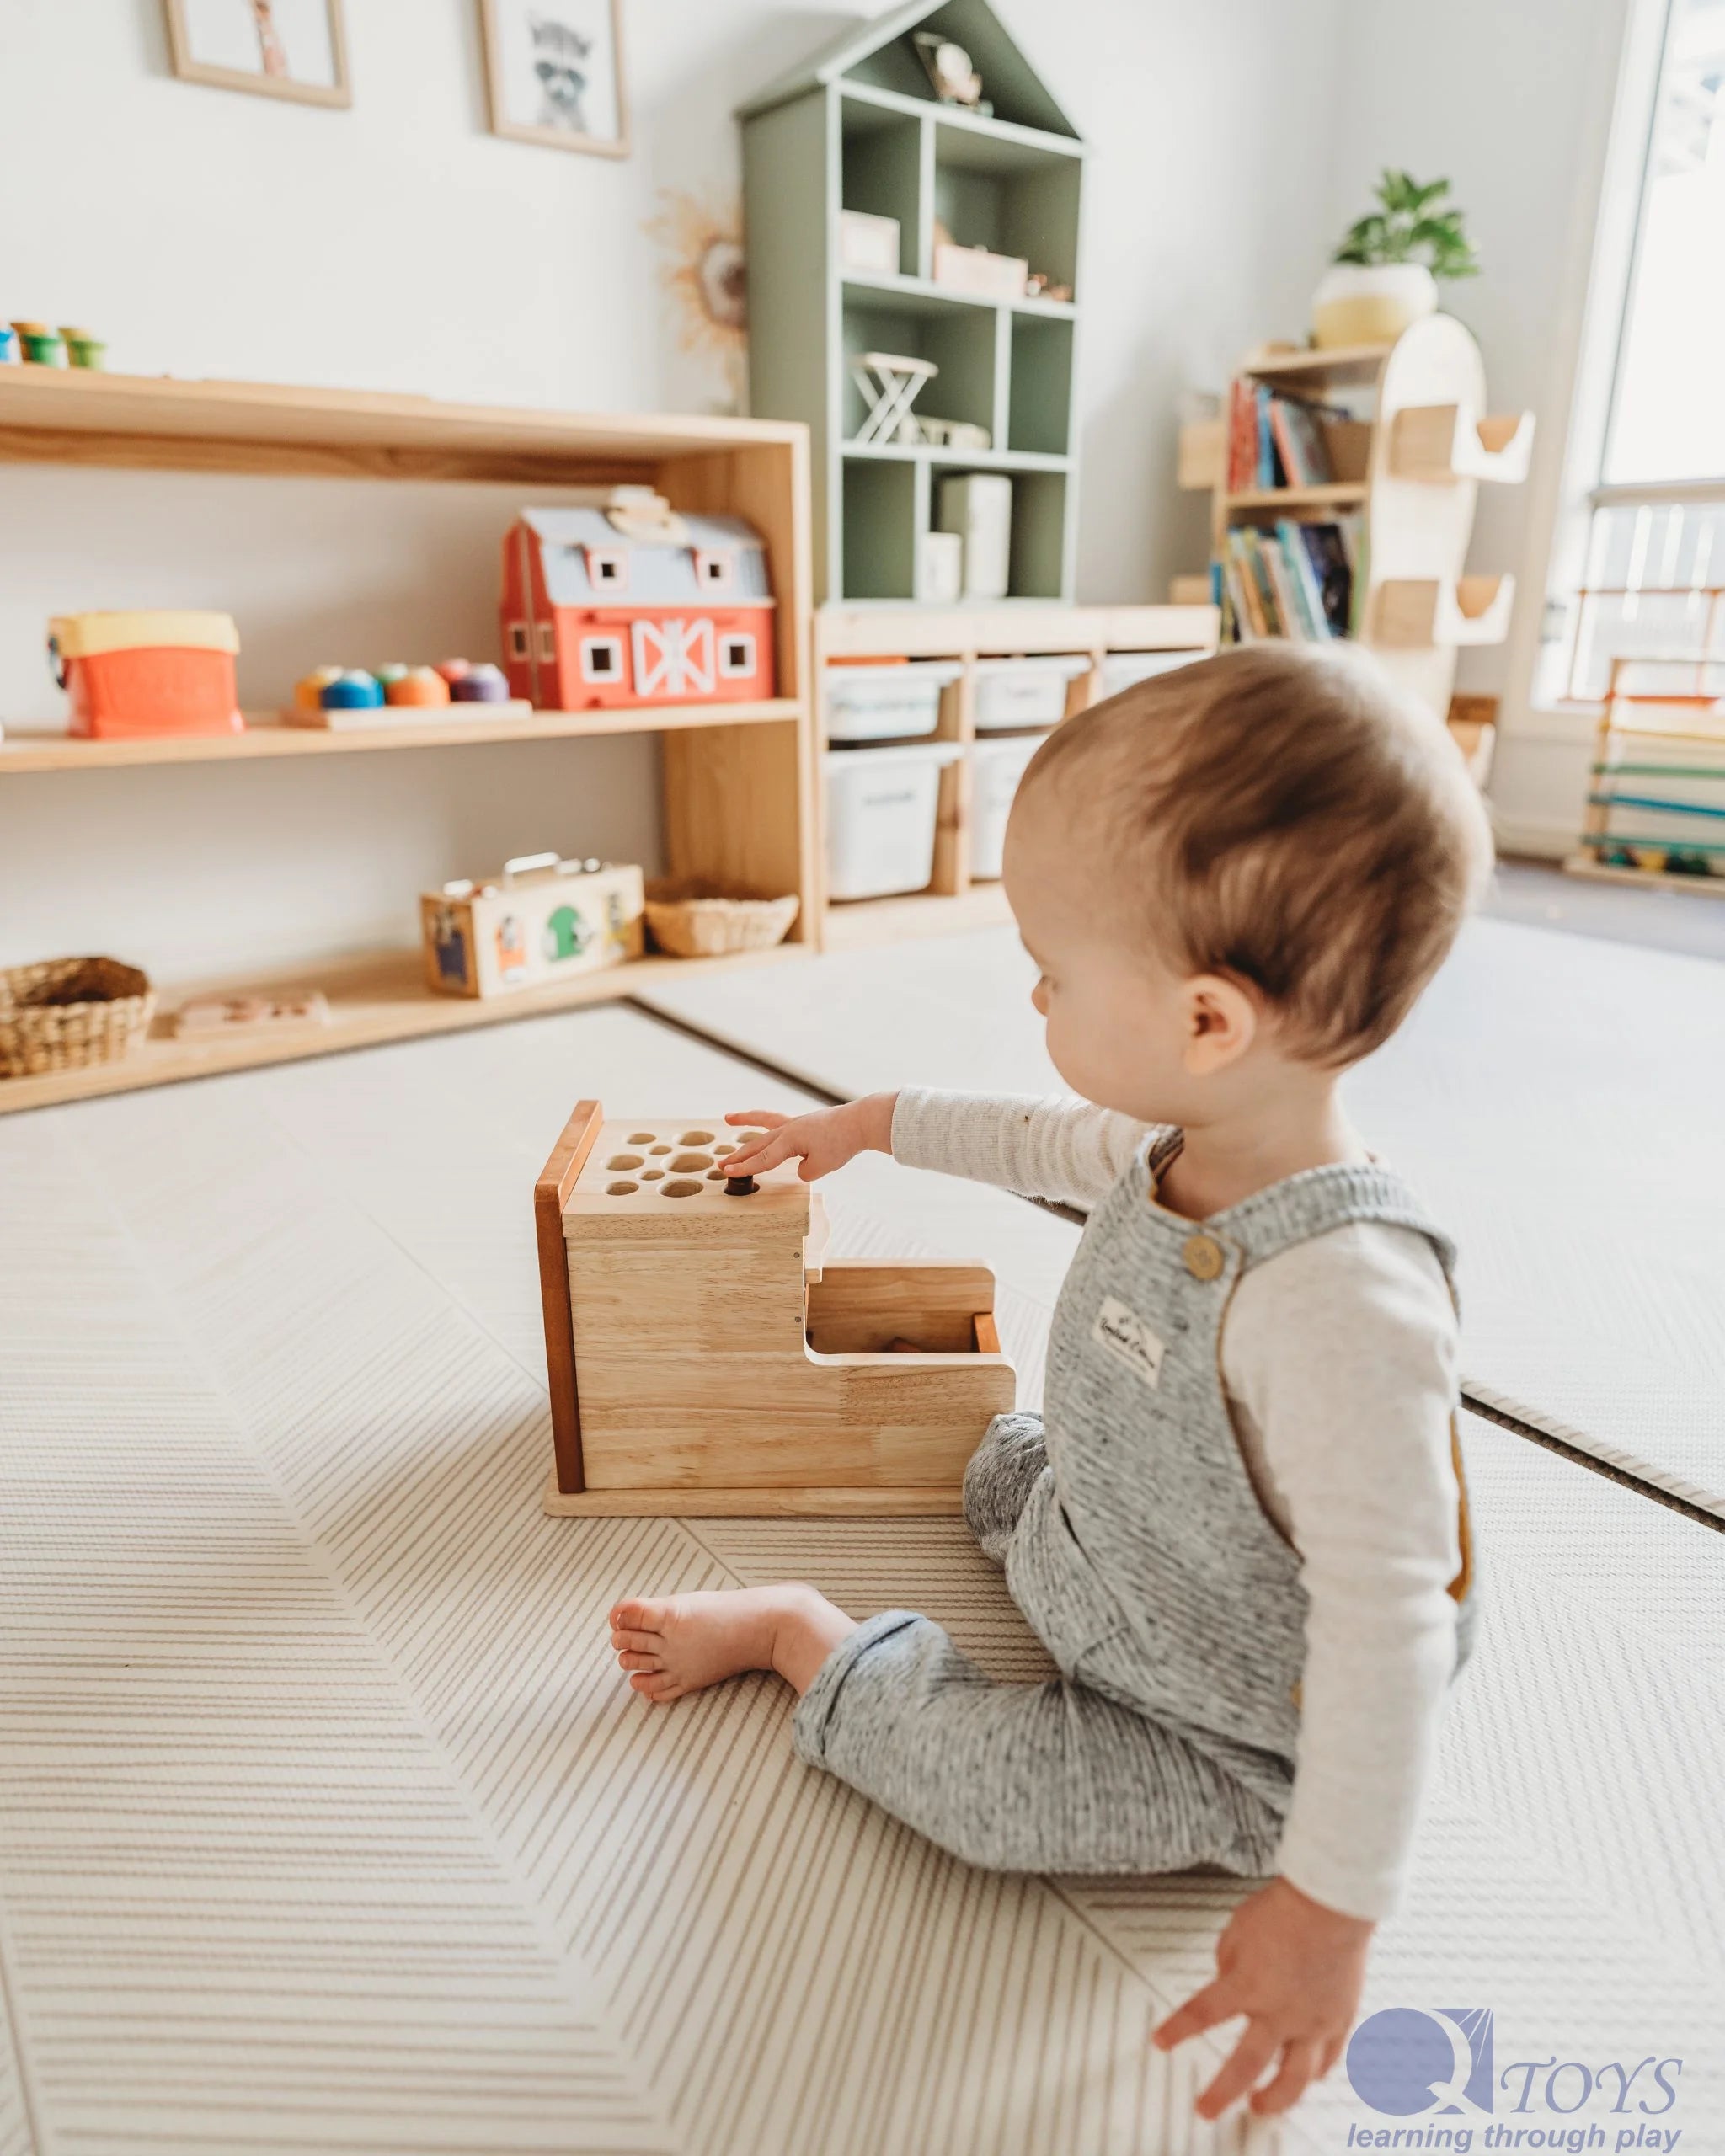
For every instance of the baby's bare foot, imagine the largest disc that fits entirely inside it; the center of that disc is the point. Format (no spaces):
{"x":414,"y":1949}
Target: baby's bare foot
{"x":685,"y":1642}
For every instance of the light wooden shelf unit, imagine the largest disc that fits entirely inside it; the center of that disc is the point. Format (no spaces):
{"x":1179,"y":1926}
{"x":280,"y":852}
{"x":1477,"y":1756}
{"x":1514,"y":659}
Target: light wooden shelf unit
{"x":954,"y":900}
{"x":859,"y":128}
{"x":1412,"y":468}
{"x":737,"y":785}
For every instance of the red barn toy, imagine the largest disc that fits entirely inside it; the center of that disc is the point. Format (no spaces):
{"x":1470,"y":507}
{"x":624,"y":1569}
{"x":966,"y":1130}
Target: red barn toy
{"x":632,"y":603}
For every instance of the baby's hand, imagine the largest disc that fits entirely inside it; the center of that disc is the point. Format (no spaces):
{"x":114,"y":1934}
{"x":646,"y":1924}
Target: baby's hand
{"x":823,"y":1139}
{"x":1293,"y":1968}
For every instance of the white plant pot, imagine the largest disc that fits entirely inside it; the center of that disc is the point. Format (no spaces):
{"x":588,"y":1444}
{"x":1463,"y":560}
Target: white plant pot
{"x":1370,"y":304}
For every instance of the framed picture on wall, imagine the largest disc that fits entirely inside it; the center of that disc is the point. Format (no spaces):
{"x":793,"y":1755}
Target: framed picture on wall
{"x":556,"y":72}
{"x":279,"y":48}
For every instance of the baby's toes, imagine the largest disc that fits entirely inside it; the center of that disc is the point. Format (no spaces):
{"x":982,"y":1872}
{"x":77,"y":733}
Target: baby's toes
{"x":634,"y":1661}
{"x":636,"y":1642}
{"x":638,"y":1617}
{"x":654,"y":1684}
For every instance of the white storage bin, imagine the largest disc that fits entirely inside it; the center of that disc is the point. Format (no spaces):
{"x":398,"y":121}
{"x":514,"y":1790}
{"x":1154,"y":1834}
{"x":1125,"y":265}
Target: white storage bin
{"x":1025,"y":691}
{"x":883,"y":703}
{"x":881,"y":809}
{"x":1123,"y":669}
{"x":997,"y":766}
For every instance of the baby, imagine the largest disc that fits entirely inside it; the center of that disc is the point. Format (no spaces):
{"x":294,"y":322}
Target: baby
{"x":1240,"y":1526}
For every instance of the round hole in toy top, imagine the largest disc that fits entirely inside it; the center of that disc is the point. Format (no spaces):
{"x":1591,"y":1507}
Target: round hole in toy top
{"x":691,"y":1163}
{"x":696,"y":1138}
{"x":624,"y":1160}
{"x":715,"y":1175}
{"x":681,"y":1188}
{"x":653,"y":1175}
{"x":621,"y":1189}
{"x":661,"y":1148}
{"x":750,"y":1138}
{"x":723,"y":1150}
{"x":642,"y":1137}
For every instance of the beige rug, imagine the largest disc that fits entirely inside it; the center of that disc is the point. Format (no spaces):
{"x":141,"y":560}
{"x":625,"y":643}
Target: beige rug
{"x":325,"y":1822}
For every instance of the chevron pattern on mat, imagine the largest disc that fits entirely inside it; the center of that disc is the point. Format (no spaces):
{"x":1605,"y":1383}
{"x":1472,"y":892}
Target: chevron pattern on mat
{"x":324,"y":1818}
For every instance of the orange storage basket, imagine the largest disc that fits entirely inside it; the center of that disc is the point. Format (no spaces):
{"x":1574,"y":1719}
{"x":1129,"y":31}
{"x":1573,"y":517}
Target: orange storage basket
{"x":137,"y":675}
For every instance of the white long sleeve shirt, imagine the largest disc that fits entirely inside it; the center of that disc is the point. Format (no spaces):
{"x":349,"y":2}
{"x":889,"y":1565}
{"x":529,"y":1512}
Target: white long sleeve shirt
{"x":1338,"y":1362}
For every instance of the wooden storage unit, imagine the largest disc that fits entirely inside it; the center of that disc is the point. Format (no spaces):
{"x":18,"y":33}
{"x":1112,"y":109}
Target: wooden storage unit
{"x":738,"y":783}
{"x":1412,"y":465}
{"x":954,"y":900}
{"x":859,"y":130}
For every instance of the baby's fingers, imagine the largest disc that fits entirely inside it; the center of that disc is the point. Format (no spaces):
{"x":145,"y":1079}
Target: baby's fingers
{"x":755,"y":1160}
{"x":1243,"y":2070}
{"x":1301,"y":2063}
{"x":1215,"y":2002}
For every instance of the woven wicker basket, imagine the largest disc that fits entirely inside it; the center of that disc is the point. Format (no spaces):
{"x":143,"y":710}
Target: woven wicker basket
{"x":694,"y":920}
{"x":65,"y":1012}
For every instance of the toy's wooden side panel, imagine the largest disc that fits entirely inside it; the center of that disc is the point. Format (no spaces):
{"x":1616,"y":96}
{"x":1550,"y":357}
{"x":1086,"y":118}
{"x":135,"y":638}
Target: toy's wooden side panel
{"x":557,"y":1180}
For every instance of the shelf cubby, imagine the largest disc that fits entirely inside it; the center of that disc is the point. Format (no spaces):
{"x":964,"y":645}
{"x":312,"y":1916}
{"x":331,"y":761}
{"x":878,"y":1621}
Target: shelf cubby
{"x":960,"y":341}
{"x":1414,"y":613}
{"x":1439,"y":442}
{"x":885,"y":506}
{"x":881,"y":172}
{"x":1011,"y":197}
{"x":858,"y":128}
{"x":1039,"y":385}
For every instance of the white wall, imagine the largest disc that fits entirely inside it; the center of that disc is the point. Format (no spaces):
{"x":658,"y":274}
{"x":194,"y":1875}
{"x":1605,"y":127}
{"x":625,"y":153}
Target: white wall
{"x":1512,"y":99}
{"x":398,"y":245}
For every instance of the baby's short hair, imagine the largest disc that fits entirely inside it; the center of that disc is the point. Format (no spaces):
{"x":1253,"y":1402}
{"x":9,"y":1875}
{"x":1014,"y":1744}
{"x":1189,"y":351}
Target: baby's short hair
{"x":1285,"y":816}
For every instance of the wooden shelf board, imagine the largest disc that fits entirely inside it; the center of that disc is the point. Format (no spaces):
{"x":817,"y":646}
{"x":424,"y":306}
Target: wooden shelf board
{"x":372,"y":1000}
{"x":1340,"y":494}
{"x":858,"y":921}
{"x":980,"y":460}
{"x":51,"y":415}
{"x":1359,"y":359}
{"x":923,"y":294}
{"x":48,"y":749}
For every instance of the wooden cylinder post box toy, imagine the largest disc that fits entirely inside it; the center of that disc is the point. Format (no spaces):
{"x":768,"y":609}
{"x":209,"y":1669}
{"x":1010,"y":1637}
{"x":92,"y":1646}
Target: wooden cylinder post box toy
{"x":704,"y":1358}
{"x":133,"y":676}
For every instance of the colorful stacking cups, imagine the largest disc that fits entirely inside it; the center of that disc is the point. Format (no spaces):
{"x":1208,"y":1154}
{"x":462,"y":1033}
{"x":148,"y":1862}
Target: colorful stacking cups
{"x":83,"y":349}
{"x":41,"y":346}
{"x":480,"y":684}
{"x":452,"y":670}
{"x":419,"y":685}
{"x":397,"y":671}
{"x":308,"y":689}
{"x":351,"y":691}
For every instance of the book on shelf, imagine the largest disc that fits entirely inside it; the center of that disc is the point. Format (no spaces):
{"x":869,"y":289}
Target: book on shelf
{"x":1275,"y":441}
{"x":1296,"y":581}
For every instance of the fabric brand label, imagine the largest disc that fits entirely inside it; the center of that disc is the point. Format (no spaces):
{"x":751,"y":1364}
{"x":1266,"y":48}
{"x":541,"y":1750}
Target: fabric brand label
{"x":1129,"y":1340}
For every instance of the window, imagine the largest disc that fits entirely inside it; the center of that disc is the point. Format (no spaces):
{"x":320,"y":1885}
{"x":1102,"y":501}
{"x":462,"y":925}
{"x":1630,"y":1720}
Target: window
{"x":607,"y":569}
{"x":547,"y":643}
{"x":517,"y":639}
{"x":1653,"y":580}
{"x":736,"y":656}
{"x":602,"y":659}
{"x":715,"y":569}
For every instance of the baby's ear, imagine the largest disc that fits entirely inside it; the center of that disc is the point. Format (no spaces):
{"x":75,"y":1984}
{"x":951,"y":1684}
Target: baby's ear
{"x":1222,"y":1020}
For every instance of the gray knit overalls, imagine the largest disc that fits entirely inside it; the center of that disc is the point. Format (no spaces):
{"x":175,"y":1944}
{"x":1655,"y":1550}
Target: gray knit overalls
{"x":1136,"y":1546}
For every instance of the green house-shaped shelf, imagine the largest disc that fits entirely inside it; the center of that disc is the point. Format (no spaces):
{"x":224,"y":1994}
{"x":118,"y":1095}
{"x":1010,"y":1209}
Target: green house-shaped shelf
{"x":861,"y":128}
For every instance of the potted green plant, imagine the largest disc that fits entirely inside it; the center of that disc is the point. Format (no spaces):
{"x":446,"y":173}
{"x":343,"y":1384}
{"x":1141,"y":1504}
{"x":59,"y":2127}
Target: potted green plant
{"x":1385,"y":273}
